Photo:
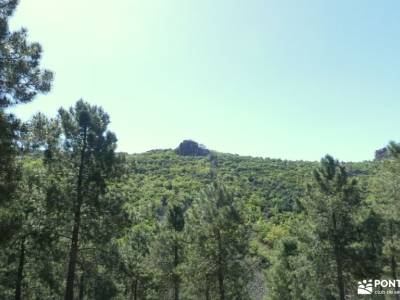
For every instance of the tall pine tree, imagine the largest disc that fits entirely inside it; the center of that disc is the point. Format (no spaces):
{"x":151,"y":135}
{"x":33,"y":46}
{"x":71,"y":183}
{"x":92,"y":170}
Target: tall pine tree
{"x":21,"y":79}
{"x":89,"y":147}
{"x":220,"y":243}
{"x":332,"y":203}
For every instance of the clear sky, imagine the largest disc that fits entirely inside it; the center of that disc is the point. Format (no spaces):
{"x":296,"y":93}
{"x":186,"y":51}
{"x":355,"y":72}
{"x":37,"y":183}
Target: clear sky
{"x":274,"y":78}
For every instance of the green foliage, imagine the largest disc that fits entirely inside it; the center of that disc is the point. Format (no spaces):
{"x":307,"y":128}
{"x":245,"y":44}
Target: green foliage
{"x":20,"y":80}
{"x":220,"y":245}
{"x":79,"y":221}
{"x":21,"y":77}
{"x":158,"y":226}
{"x":88,"y":149}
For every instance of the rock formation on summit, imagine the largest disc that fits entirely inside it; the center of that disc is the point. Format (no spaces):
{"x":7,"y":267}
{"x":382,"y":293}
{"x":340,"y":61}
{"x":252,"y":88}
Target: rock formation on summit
{"x":191,"y":148}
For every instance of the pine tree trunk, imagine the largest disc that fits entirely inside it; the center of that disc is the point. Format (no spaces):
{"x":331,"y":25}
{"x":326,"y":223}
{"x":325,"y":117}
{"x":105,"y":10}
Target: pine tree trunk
{"x":207,"y":289}
{"x":393,"y":266}
{"x":20,"y":274}
{"x":135,"y":290}
{"x":82,"y":287}
{"x":207,"y":293}
{"x":73,"y":254}
{"x":175,"y":276}
{"x":393,"y":263}
{"x":220,"y":268}
{"x":338,"y":258}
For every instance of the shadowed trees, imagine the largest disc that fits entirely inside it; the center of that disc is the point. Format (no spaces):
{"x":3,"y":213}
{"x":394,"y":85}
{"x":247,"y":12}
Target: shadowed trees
{"x":89,"y":147}
{"x":220,"y":244}
{"x":21,"y":79}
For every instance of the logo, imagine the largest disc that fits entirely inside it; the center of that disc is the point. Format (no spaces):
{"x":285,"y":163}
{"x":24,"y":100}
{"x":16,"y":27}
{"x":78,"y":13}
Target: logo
{"x":365,"y":287}
{"x":383,"y":287}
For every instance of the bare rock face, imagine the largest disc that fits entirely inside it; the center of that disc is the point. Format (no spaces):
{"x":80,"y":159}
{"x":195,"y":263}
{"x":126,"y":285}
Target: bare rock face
{"x":382,"y":153}
{"x":191,"y":148}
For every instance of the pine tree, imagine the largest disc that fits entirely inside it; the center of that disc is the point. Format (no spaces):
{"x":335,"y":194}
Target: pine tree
{"x":21,"y":77}
{"x":387,"y":191}
{"x":176,"y":224}
{"x":333,"y":201}
{"x":90,"y":147}
{"x":220,"y":244}
{"x":20,"y":80}
{"x":167,"y":248}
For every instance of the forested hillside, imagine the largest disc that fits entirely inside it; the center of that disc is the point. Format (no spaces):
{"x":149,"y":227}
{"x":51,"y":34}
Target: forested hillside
{"x":80,"y":220}
{"x":160,"y":225}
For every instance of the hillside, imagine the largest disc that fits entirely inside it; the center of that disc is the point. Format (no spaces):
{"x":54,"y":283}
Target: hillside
{"x":275,"y":182}
{"x":79,"y":220}
{"x":135,"y":224}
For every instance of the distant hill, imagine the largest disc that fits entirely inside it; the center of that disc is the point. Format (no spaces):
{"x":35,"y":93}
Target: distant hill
{"x":273,"y":182}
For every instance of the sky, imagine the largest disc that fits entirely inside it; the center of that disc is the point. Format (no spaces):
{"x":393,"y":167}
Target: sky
{"x":290,"y":79}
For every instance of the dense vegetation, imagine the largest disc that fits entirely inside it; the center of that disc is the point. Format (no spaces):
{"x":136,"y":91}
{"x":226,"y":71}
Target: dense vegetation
{"x":80,"y":221}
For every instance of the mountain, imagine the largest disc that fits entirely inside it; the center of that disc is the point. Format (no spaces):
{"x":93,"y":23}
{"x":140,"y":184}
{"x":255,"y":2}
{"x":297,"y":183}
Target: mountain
{"x":275,"y":183}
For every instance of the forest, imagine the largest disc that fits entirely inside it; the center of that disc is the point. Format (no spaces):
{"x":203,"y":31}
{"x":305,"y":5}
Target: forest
{"x":80,"y":220}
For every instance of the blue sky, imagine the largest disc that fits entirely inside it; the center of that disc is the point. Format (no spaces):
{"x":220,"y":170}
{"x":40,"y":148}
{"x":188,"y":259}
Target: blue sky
{"x":275,"y":78}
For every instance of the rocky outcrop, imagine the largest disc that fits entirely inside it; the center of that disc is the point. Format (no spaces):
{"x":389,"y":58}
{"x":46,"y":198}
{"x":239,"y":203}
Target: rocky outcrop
{"x":382,"y":153}
{"x":191,"y":148}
